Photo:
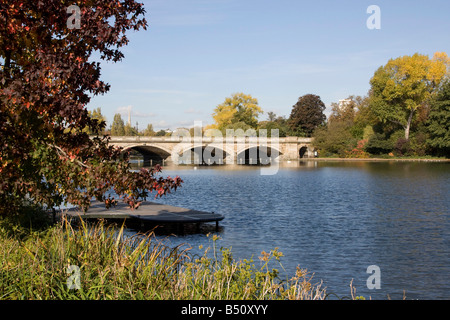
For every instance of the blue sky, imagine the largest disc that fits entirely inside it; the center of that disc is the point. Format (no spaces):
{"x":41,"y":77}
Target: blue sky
{"x":196,"y":53}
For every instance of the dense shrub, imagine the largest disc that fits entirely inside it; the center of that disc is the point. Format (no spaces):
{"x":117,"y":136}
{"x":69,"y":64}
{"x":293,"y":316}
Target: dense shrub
{"x":402,"y":147}
{"x":378,"y":144}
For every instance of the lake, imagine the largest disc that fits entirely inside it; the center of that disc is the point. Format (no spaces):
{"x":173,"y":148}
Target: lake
{"x":335,"y":219}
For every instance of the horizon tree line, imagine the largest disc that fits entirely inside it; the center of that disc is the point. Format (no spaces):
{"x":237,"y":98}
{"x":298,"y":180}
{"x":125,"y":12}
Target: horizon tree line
{"x":401,"y":114}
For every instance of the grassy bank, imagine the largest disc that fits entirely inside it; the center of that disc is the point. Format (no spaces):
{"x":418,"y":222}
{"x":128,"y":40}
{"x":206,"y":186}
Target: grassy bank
{"x":36,"y":264}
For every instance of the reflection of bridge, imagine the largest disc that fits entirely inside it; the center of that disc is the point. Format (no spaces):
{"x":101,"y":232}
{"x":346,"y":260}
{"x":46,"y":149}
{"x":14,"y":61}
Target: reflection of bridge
{"x":210,"y":150}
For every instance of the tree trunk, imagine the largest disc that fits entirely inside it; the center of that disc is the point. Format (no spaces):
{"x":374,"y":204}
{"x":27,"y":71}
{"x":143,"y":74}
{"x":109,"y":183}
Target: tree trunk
{"x":408,"y":124}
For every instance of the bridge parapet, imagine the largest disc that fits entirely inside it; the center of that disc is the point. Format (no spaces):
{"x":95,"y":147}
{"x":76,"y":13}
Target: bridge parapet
{"x":127,"y":139}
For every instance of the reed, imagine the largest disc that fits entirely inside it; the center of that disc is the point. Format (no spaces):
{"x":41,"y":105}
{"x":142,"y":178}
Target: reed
{"x":35,"y":264}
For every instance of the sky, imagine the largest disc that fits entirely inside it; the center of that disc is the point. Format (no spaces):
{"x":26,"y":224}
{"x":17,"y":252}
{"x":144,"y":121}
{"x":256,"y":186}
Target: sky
{"x":195,"y":53}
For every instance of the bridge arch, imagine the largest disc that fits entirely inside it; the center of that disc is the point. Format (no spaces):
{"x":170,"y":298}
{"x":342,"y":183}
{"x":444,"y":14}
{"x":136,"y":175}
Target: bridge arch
{"x":256,"y":155}
{"x":202,"y":155}
{"x":305,"y":151}
{"x":152,"y":154}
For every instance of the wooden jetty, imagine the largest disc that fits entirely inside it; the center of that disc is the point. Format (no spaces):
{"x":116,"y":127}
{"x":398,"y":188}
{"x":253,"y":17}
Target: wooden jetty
{"x":148,"y":213}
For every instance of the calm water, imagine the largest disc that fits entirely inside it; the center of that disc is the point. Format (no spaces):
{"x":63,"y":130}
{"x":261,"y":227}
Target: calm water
{"x":335,"y":219}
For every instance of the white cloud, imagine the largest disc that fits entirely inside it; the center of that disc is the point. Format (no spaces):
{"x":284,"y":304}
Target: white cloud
{"x":124,"y":111}
{"x":143,"y":114}
{"x":162,"y":124}
{"x":193,"y":111}
{"x":185,"y":123}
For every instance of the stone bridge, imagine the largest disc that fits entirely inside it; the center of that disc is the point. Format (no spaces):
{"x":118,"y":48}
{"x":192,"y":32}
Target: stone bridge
{"x":214,"y":150}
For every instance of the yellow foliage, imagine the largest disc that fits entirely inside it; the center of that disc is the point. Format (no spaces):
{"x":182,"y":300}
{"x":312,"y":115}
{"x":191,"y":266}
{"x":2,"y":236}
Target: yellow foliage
{"x":412,"y":77}
{"x":404,"y":85}
{"x":238,"y":107}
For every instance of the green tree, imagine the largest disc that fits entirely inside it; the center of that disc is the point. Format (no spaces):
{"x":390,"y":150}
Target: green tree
{"x":365,"y":120}
{"x":238,"y":125}
{"x":307,"y":114}
{"x":118,"y":126}
{"x":149,"y":132}
{"x":438,"y":123}
{"x":160,"y":133}
{"x":96,"y":114}
{"x":130,"y":131}
{"x":404,"y":85}
{"x":275,"y":122}
{"x":379,"y":143}
{"x":239,"y":107}
{"x":271,"y":116}
{"x":334,"y":139}
{"x":347,"y":130}
{"x":48,"y":75}
{"x":354,"y":112}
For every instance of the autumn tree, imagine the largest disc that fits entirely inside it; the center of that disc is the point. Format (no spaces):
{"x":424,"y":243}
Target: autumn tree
{"x":344,"y":110}
{"x":239,"y":107}
{"x":307,"y":114}
{"x":404,"y":85}
{"x":48,"y":75}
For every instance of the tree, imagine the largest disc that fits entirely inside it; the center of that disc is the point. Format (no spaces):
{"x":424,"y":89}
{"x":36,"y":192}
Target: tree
{"x":239,"y":125}
{"x":161,"y":133}
{"x":239,"y":107}
{"x":96,"y":114}
{"x":334,"y":139}
{"x":364,"y":120}
{"x":47,"y":78}
{"x":271,"y":116}
{"x":348,"y":129}
{"x":438,"y":123}
{"x":275,"y":122}
{"x":149,"y":132}
{"x":307,"y":114}
{"x":344,"y":111}
{"x":403,"y":86}
{"x":130,"y":131}
{"x":118,"y":126}
{"x":378,"y":143}
{"x":354,"y":112}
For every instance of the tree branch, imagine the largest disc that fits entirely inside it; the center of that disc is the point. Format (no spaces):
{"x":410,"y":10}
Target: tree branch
{"x":61,"y":152}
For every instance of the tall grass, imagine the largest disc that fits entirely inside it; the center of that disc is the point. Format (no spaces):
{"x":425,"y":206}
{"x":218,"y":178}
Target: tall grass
{"x":35,"y":264}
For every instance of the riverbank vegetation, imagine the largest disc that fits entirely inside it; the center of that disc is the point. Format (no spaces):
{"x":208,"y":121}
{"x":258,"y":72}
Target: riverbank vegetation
{"x":405,"y":114}
{"x":98,"y":262}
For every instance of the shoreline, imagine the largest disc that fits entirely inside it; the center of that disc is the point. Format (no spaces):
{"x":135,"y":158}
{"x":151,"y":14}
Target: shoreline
{"x":376,"y":159}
